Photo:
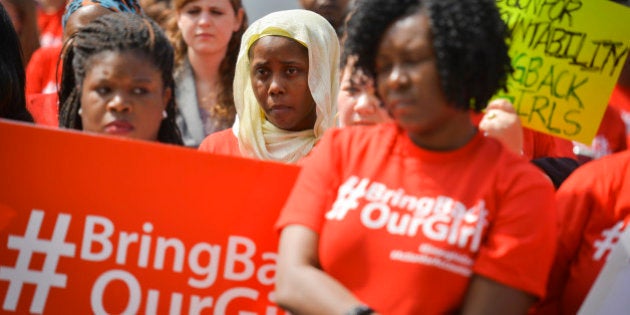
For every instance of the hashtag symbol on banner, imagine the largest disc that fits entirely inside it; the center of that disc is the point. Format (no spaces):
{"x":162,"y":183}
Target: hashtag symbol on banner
{"x":347,"y":198}
{"x":611,"y":237}
{"x":47,"y":277}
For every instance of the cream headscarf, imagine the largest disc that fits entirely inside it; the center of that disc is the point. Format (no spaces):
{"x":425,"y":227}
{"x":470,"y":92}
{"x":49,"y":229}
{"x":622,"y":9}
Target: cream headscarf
{"x":257,"y":137}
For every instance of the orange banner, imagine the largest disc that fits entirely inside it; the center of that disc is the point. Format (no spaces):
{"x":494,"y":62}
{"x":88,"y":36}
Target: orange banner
{"x":94,"y":225}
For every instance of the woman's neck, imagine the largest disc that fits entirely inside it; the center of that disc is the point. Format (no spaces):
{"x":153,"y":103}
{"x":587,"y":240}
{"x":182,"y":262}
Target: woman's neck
{"x":205,"y":67}
{"x":453,"y":134}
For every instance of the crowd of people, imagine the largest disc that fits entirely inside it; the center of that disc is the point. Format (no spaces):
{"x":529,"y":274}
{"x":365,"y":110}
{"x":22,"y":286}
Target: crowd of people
{"x":418,"y":193}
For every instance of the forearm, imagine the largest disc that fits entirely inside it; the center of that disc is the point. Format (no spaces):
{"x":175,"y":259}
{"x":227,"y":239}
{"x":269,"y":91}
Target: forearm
{"x":308,"y":290}
{"x":487,"y":297}
{"x":301,"y":286}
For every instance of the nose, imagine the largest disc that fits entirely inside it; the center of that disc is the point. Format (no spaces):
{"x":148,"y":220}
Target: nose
{"x":366,"y":103}
{"x":276,"y":85}
{"x":118,"y":103}
{"x":204,"y":18}
{"x":397,"y":78}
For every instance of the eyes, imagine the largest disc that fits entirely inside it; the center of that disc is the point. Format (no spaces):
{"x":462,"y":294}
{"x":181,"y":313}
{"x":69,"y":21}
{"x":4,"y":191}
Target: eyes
{"x":262,"y":72}
{"x":385,"y":63}
{"x":105,"y":90}
{"x":350,"y":89}
{"x":196,"y":10}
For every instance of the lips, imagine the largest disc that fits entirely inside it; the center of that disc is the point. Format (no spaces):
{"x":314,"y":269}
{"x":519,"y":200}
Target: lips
{"x":119,"y":127}
{"x":204,"y":35}
{"x":280,"y":108}
{"x":399,"y":106}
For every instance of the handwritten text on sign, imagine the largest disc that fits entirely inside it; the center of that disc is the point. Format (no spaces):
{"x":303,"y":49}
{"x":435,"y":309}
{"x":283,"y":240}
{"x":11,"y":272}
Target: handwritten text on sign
{"x":567,"y":55}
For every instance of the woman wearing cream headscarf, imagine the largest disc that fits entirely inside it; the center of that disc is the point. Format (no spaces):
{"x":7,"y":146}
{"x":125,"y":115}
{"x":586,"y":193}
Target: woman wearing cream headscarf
{"x":275,"y":119}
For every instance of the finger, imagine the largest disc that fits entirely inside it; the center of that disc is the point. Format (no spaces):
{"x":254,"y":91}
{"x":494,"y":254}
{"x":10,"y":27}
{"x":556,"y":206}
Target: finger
{"x":501,"y":104}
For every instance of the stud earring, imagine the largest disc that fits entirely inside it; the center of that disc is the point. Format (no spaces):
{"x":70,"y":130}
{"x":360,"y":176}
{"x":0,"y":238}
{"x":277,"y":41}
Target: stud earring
{"x":80,"y":112}
{"x":164,"y":114}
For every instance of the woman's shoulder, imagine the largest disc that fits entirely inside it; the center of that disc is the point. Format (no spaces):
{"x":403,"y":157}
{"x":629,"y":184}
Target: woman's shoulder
{"x":363,"y":134}
{"x":221,"y":142}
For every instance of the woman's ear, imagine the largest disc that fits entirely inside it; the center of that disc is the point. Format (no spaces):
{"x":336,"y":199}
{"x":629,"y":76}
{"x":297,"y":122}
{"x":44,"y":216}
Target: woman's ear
{"x":166,"y":96}
{"x":239,"y":19}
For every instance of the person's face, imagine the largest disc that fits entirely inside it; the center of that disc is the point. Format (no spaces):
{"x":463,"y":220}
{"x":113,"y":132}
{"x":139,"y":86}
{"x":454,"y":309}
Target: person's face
{"x":333,"y":10}
{"x":208,"y":25}
{"x":357,"y":101}
{"x":279,"y":77}
{"x":123,"y":95}
{"x":408,"y":79}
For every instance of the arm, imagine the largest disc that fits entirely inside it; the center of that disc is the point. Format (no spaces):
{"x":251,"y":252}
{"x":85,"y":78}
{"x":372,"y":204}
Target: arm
{"x":489,"y":297}
{"x":301,"y":286}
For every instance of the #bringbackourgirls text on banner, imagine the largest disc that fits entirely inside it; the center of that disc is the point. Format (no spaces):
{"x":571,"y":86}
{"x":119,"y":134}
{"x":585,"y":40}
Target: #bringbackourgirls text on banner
{"x":567,"y":56}
{"x":95,"y":225}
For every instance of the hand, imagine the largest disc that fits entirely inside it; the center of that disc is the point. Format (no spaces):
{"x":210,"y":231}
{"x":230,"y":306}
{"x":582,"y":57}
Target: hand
{"x":502,"y":123}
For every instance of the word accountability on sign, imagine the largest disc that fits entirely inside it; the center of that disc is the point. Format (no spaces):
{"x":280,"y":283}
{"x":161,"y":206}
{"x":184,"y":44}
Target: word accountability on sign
{"x":566,"y":55}
{"x":101,"y":243}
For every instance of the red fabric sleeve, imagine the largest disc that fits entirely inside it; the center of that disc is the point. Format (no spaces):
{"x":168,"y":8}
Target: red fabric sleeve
{"x":520,"y":247}
{"x":223,"y":142}
{"x":44,"y":109}
{"x":313,"y":192}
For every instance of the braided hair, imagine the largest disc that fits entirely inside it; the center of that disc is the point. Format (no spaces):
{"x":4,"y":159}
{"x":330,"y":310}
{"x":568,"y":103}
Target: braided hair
{"x":119,"y":32}
{"x":469,"y":39}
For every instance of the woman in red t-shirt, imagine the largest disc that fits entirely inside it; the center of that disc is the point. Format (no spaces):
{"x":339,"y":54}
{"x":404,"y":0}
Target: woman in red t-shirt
{"x":424,"y":215}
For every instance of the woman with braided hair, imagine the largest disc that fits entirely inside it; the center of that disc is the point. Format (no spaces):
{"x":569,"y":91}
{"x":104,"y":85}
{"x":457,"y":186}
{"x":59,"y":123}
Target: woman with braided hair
{"x":118,"y":80}
{"x":43,"y":73}
{"x":424,"y":215}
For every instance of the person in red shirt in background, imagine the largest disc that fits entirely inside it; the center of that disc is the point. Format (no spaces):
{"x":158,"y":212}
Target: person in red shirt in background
{"x":593,"y":211}
{"x":49,"y":15}
{"x":41,"y":69}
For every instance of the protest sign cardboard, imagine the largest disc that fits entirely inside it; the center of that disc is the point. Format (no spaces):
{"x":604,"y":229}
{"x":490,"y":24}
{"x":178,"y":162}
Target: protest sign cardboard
{"x":567,"y":56}
{"x":94,"y":225}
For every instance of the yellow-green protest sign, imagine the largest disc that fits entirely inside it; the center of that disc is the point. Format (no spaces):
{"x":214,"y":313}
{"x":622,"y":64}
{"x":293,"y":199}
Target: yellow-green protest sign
{"x":567,"y":56}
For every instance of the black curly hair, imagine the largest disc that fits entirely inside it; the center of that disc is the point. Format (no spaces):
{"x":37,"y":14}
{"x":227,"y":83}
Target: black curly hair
{"x":116,"y":32}
{"x":469,"y":39}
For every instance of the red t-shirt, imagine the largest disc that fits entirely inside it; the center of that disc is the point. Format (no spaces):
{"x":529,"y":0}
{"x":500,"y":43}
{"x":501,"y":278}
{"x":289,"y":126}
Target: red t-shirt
{"x":404,"y":228}
{"x":44,"y":108}
{"x":620,"y":99}
{"x":50,"y":28}
{"x":594,"y":209}
{"x":41,"y":71}
{"x":223,"y":142}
